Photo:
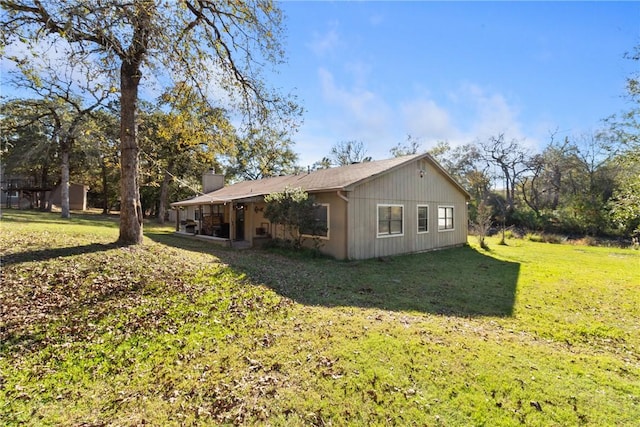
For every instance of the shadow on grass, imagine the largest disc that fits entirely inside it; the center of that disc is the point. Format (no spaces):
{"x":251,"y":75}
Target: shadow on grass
{"x":36,"y":216}
{"x":47,"y":254}
{"x":455,"y":282}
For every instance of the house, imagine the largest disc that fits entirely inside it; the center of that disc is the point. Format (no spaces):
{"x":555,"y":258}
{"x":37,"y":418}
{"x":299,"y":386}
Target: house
{"x":371,"y":209}
{"x":25,"y":192}
{"x":22,"y":192}
{"x":77,"y":196}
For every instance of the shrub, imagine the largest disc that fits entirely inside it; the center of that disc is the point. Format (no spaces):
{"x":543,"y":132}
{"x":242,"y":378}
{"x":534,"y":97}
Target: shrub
{"x":545,"y":238}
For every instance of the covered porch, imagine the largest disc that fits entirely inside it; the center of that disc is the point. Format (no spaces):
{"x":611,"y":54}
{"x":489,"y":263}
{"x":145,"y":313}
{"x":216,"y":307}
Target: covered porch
{"x":235,"y":223}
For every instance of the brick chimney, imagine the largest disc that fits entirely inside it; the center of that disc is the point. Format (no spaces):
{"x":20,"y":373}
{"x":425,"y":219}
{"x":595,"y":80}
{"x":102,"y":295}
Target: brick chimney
{"x":211,"y":181}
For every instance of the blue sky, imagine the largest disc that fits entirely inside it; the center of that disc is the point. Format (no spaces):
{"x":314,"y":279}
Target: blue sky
{"x":457,"y":71}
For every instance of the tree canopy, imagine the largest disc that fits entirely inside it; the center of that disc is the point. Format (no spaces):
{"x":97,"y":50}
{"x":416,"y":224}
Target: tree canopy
{"x":203,"y":41}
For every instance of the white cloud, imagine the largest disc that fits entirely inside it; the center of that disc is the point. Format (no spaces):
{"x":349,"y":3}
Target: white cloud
{"x":353,"y":111}
{"x":470,"y":113}
{"x":323,"y":44}
{"x":358,"y":111}
{"x":424,"y":118}
{"x":493,"y":114}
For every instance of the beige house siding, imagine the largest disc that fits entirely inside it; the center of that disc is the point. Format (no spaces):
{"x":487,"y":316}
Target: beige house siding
{"x":404,"y":187}
{"x":336,"y":243}
{"x":353,"y":194}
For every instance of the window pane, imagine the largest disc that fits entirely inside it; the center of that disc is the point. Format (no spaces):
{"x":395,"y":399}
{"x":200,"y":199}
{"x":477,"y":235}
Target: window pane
{"x":384,"y":213}
{"x":390,"y":220}
{"x":396,"y":213}
{"x":320,"y":216}
{"x":445,"y":218}
{"x":422,"y":218}
{"x":422,"y":213}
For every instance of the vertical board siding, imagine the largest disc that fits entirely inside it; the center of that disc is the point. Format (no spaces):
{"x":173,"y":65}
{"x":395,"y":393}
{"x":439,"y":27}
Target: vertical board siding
{"x":404,"y":186}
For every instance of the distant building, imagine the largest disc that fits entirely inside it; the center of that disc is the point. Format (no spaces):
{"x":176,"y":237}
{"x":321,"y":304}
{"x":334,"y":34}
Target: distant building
{"x":26,"y":193}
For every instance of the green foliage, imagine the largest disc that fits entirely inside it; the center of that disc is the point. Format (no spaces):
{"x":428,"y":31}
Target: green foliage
{"x":295,"y":211}
{"x":624,"y":205}
{"x":347,"y":152}
{"x":177,"y":41}
{"x":545,"y":238}
{"x":179,"y":139}
{"x":482,"y":223}
{"x":411,"y":146}
{"x":261,"y":154}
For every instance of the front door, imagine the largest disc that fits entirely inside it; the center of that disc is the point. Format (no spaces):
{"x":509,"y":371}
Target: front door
{"x":240,"y":221}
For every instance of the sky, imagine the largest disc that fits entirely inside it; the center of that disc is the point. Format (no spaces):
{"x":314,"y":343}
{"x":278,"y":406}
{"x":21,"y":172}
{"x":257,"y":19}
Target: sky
{"x":376,"y":72}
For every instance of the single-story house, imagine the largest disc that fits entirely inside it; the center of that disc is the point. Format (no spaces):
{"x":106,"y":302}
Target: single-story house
{"x":371,"y":209}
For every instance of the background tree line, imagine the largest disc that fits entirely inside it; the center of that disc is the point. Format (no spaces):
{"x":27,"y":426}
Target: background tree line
{"x":77,"y":117}
{"x":587,"y":184}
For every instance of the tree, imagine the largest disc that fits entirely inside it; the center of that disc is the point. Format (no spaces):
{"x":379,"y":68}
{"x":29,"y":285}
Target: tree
{"x":294,"y":209}
{"x":482,"y":224}
{"x":262,"y":153}
{"x":201,"y":40}
{"x":625,"y":203}
{"x":548,"y":173}
{"x":509,"y":157}
{"x":27,"y":147}
{"x":101,"y":152}
{"x":348,"y":152}
{"x":58,"y":85}
{"x":465,"y":165}
{"x":325,"y":163}
{"x":592,"y":180}
{"x":411,"y":146}
{"x":181,"y":138}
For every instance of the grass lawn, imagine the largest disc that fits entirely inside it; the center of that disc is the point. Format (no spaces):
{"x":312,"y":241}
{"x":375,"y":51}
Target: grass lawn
{"x":178,"y":332}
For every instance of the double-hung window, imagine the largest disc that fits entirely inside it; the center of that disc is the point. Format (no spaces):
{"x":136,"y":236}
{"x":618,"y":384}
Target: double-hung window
{"x":445,"y":218}
{"x":423,"y":218}
{"x":390,"y":220}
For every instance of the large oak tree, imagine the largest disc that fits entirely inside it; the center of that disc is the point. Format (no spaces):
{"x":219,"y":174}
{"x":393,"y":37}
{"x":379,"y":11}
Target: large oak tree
{"x":201,"y":41}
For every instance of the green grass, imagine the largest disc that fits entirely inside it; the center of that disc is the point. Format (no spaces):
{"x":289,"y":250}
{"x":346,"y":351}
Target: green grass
{"x":178,"y":332}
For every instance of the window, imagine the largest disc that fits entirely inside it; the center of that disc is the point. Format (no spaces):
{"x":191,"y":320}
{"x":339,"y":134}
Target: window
{"x":390,"y":218}
{"x":321,"y":217}
{"x":445,"y":218}
{"x":423,"y":219}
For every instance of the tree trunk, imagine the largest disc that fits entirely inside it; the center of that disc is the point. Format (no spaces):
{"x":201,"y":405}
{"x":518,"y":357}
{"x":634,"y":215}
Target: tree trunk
{"x":130,"y":208}
{"x":164,"y":191}
{"x":64,"y":181}
{"x":44,"y":180}
{"x":105,"y":187}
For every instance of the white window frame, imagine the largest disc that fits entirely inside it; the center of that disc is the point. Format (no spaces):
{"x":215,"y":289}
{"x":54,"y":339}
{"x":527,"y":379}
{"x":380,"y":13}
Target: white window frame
{"x":328,"y":224}
{"x":386,"y":235}
{"x":453,"y":217}
{"x":418,"y":219}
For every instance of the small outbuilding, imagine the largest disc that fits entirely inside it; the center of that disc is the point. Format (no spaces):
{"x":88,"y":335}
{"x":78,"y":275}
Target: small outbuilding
{"x":371,"y":209}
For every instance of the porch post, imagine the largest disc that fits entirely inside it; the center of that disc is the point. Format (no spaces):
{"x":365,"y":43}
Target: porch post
{"x":251,"y":213}
{"x":232,"y":223}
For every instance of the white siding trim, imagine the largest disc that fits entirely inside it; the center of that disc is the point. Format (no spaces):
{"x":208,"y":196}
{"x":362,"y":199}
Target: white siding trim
{"x":385,"y":235}
{"x":453,"y":218}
